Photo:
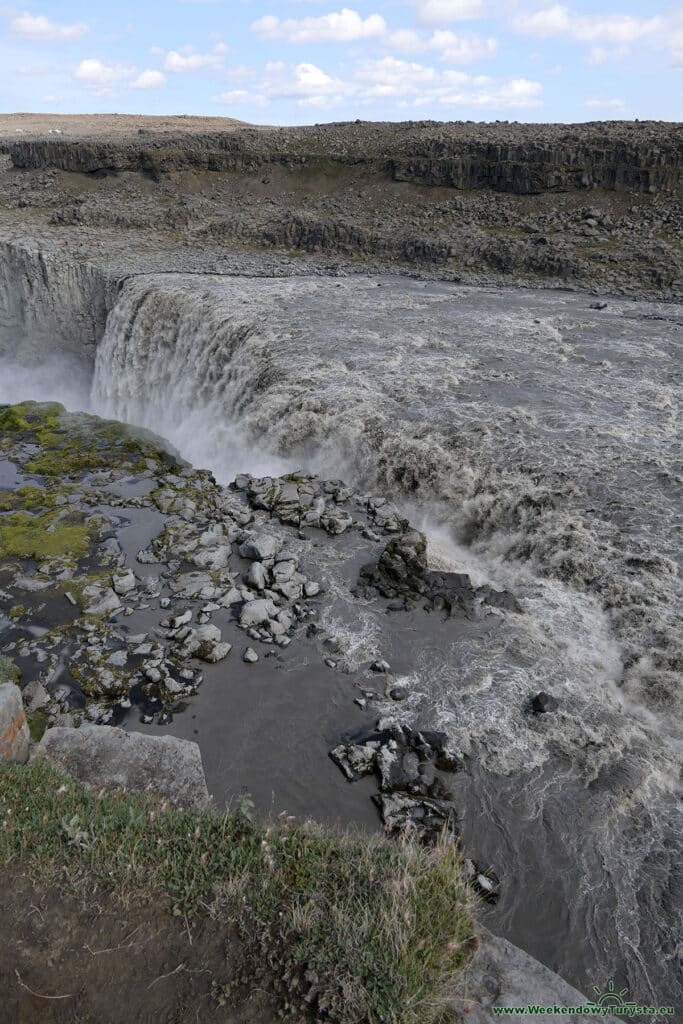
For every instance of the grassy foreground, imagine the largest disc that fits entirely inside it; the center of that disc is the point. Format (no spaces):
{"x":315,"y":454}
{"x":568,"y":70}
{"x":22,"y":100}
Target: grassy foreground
{"x":360,"y":929}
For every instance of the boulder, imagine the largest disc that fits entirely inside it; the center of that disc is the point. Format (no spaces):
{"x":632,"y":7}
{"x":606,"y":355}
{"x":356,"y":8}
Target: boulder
{"x":14,"y":734}
{"x":101,"y":602}
{"x":260,"y":547}
{"x":124,"y":583}
{"x":254,"y":613}
{"x":104,"y":757}
{"x":256,"y":576}
{"x":543,"y":703}
{"x":502,"y":975}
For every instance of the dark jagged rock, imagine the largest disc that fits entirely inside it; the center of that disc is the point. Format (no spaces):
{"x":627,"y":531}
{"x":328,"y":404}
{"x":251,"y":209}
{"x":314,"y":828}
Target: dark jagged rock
{"x":543,"y":703}
{"x":401,"y":571}
{"x":412,"y":797}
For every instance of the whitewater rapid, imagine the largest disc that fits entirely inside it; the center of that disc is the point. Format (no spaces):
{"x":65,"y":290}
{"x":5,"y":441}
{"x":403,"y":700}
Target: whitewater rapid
{"x":536,"y":441}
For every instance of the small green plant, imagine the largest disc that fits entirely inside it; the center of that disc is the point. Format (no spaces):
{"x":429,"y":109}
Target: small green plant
{"x":362,"y":929}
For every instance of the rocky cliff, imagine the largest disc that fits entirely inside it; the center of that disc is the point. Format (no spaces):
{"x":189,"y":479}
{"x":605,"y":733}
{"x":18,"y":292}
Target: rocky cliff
{"x":50,"y":303}
{"x":521,"y":159}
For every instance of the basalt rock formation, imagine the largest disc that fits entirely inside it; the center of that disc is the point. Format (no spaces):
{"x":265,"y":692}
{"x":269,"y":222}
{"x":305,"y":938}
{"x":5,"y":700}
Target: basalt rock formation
{"x":522,"y":159}
{"x":595,"y":205}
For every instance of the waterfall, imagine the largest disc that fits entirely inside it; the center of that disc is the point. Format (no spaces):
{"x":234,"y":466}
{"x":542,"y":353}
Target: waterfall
{"x":186,"y":362}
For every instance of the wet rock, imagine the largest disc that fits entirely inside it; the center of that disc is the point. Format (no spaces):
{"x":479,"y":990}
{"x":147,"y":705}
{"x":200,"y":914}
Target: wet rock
{"x":255,"y":613}
{"x":118,"y":658}
{"x":14,"y":734}
{"x":29,"y":584}
{"x":260,"y":547}
{"x":336,"y":522}
{"x":124,"y":583}
{"x":283,"y":571}
{"x":543,"y":703}
{"x":502,"y":975}
{"x":405,"y":761}
{"x":355,"y":760}
{"x":109,"y":758}
{"x":217,"y":653}
{"x":405,"y":557}
{"x":485,"y":883}
{"x":146,"y":557}
{"x":426,"y":819}
{"x":380,"y":666}
{"x":180,"y":620}
{"x":214,"y":558}
{"x":103,"y":602}
{"x":499,"y":599}
{"x":35,"y":696}
{"x":398,"y":692}
{"x":257,"y":576}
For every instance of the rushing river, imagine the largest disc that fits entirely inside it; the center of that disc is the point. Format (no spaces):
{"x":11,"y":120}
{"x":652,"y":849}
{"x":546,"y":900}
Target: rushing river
{"x":536,"y":441}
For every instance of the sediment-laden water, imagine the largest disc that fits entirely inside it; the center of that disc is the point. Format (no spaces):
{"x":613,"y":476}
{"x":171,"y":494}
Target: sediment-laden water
{"x":535,"y":439}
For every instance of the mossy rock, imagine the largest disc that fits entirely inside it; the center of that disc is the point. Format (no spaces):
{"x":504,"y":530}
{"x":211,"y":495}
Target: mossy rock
{"x":24,"y":536}
{"x":9,"y":673}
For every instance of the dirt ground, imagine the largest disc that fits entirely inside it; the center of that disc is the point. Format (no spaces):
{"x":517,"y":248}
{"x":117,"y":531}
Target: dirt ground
{"x":71,"y":961}
{"x":107,"y":125}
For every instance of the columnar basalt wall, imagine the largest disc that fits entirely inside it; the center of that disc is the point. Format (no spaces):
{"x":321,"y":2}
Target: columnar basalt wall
{"x":50,"y":304}
{"x":519,"y":159}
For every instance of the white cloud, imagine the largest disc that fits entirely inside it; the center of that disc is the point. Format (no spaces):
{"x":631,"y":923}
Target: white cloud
{"x":148,"y":79}
{"x":406,"y":40}
{"x":343,"y":26}
{"x":305,"y":84}
{"x":422,"y":85}
{"x":551,"y":21}
{"x":392,"y":77}
{"x":518,"y":94}
{"x":41,"y":29}
{"x":405,"y":83}
{"x":614,"y":104}
{"x":442,"y":12}
{"x":617,"y":28}
{"x":601,"y":54}
{"x":452,"y":48}
{"x":239,"y":96}
{"x":182,"y":63}
{"x":587,"y":28}
{"x":102,"y":78}
{"x":462,"y":49}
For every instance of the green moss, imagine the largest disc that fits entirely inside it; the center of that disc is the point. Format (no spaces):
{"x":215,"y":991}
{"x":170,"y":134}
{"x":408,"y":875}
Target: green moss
{"x":28,"y":497}
{"x":73,"y":445}
{"x":24,"y":536}
{"x":12,"y":420}
{"x":37,"y":724}
{"x":384,"y":926}
{"x":31,"y":416}
{"x":16,"y":611}
{"x":9,"y":673}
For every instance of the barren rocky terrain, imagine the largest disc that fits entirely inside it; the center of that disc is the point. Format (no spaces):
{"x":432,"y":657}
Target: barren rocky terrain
{"x":593,"y":206}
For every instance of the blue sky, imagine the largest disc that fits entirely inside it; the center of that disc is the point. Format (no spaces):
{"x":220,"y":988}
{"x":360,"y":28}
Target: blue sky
{"x":305,"y":61}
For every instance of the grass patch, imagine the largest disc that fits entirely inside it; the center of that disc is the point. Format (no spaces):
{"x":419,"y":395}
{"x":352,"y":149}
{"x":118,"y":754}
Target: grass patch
{"x":25,"y":536}
{"x":363,"y":930}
